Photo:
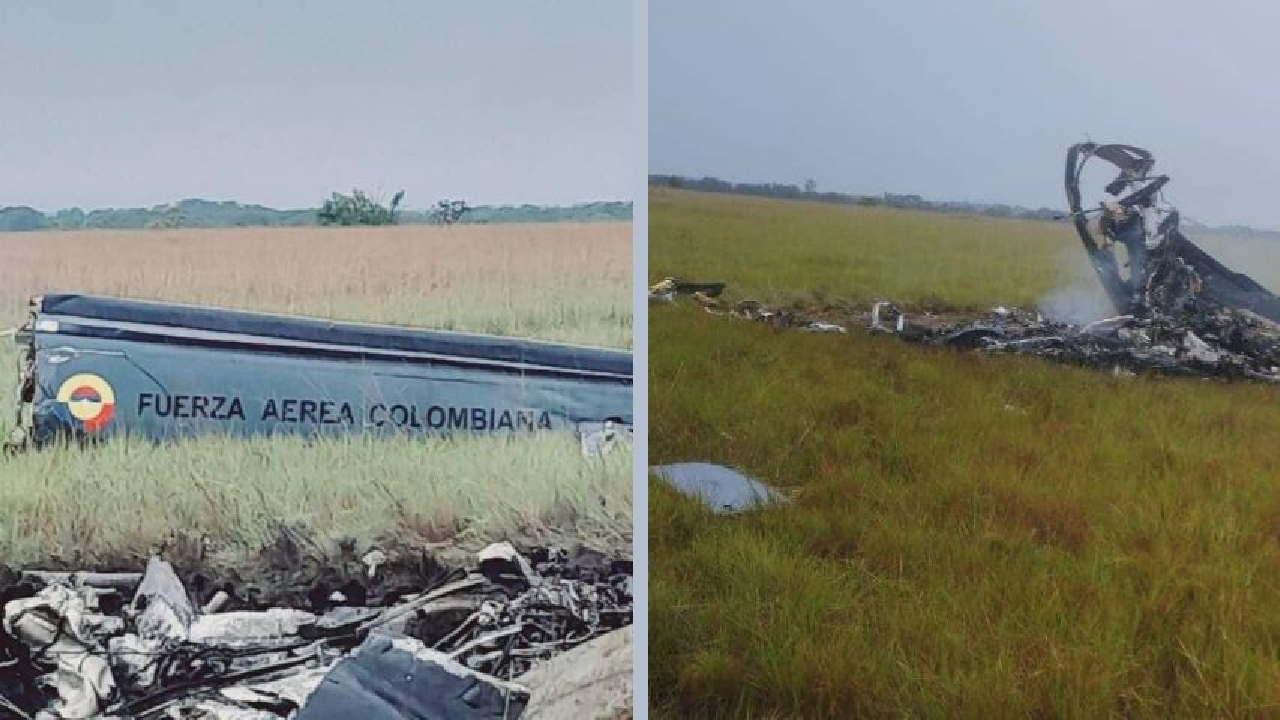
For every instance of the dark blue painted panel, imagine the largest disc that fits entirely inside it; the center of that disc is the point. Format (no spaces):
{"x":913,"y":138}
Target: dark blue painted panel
{"x":121,"y":371}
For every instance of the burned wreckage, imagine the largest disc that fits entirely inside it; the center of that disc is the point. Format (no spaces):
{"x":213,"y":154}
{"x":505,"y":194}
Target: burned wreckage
{"x":491,"y":641}
{"x":1178,"y":310}
{"x":368,"y":634}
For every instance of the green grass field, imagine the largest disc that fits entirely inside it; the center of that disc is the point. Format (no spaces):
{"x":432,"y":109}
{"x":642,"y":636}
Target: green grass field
{"x":970,"y":536}
{"x":807,"y":252}
{"x":111,"y":505}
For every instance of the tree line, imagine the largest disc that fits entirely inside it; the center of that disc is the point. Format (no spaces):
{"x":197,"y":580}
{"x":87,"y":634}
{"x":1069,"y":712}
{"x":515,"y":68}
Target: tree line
{"x":355,"y":208}
{"x":809,"y":191}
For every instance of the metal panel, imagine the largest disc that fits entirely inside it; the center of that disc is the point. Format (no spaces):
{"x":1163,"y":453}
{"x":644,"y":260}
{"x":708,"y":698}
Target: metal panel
{"x":106,"y":366}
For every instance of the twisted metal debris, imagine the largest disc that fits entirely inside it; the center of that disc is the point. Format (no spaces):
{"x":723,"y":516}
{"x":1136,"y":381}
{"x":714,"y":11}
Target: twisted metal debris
{"x":81,"y":645}
{"x":1178,"y":310}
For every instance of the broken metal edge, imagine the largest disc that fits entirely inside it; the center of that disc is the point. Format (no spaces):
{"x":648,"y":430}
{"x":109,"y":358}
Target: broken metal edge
{"x":124,"y":318}
{"x":19,"y":438}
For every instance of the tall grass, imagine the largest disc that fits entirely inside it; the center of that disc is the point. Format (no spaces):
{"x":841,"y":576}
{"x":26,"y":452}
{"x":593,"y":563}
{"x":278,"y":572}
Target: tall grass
{"x":104,"y":504}
{"x":567,"y":283}
{"x":122,"y":499}
{"x":969,"y":535}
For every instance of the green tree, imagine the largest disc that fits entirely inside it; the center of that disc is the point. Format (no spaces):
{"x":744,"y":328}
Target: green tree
{"x":23,"y":218}
{"x":448,"y":212}
{"x":359,"y":209}
{"x":69,"y":219}
{"x":167,"y":217}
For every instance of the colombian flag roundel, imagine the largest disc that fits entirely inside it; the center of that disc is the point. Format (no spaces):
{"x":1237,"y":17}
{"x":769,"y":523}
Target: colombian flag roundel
{"x":89,"y":399}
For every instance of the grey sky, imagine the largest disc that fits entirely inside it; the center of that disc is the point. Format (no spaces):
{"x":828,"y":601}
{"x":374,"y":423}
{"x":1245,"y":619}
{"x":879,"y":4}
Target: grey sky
{"x":281,"y":103}
{"x":970,"y":100}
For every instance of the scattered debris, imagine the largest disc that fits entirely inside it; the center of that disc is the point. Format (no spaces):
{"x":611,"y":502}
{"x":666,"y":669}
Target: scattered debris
{"x":590,"y":682}
{"x":611,"y":435}
{"x":57,"y":626}
{"x":663,"y":291}
{"x":92,"y":367}
{"x":886,"y":310}
{"x":722,"y":489}
{"x":118,"y":581}
{"x":390,"y":678}
{"x":163,"y":610}
{"x":666,"y":290}
{"x":372,"y":560}
{"x":1179,"y":311}
{"x":82,"y":645}
{"x":823,"y":327}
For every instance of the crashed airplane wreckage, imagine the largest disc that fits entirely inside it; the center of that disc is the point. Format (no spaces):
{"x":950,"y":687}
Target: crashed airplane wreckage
{"x":1178,"y":310}
{"x":93,"y":367}
{"x":477,"y":643}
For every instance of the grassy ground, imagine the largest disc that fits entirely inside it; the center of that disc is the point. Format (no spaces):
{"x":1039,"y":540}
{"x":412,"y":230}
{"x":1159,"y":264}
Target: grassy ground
{"x":970,"y":536}
{"x":564,"y":283}
{"x":802,"y":252}
{"x":120,"y":500}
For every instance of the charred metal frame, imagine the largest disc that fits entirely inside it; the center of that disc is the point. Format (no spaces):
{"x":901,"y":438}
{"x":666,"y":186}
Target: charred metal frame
{"x":1133,"y":219}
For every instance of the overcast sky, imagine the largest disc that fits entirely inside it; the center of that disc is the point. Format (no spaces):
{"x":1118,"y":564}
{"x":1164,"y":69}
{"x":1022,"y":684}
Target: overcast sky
{"x":280,"y":103}
{"x":972,"y":100}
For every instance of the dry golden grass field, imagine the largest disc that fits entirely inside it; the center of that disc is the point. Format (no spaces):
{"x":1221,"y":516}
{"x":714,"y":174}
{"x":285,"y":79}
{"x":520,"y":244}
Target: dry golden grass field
{"x":565,"y":282}
{"x":560,"y":282}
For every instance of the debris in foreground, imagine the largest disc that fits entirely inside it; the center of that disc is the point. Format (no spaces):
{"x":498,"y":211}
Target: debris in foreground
{"x":1179,"y":311}
{"x":611,"y":436}
{"x":590,"y":682}
{"x":396,"y":677}
{"x":666,"y":290}
{"x":93,"y":367}
{"x":80,"y":650}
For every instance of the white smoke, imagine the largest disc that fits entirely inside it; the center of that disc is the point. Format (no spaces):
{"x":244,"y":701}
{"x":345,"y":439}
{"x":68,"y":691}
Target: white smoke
{"x":1080,"y":299}
{"x":1076,"y":304}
